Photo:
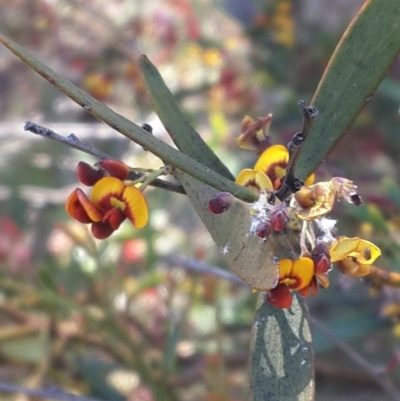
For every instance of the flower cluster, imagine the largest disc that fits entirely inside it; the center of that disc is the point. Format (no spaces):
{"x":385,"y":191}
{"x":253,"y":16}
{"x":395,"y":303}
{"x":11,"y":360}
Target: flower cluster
{"x":301,"y":217}
{"x":111,"y":200}
{"x":270,"y":168}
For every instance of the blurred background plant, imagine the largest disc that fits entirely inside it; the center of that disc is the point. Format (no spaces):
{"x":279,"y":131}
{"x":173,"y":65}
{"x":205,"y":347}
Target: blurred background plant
{"x":128,"y":318}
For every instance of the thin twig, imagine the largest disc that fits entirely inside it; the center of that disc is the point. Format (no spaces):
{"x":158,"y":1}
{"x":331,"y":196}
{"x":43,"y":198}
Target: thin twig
{"x":74,"y":142}
{"x":308,"y":113}
{"x":47,"y":393}
{"x":377,"y":375}
{"x":201,"y":267}
{"x":71,"y":140}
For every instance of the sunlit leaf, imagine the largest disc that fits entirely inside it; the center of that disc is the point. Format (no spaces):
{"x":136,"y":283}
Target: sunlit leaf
{"x":282,"y":364}
{"x":358,"y":65}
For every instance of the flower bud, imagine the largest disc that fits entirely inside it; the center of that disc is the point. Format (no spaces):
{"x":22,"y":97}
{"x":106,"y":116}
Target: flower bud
{"x":115,"y":168}
{"x":279,"y":217}
{"x":220,"y":203}
{"x":87,"y":174}
{"x":264,"y":230}
{"x":322,"y":260}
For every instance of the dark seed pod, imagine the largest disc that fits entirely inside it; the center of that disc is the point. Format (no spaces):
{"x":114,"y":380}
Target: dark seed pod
{"x":87,"y":174}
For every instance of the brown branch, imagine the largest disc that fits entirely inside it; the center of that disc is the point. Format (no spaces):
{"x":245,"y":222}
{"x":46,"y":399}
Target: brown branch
{"x":381,"y":278}
{"x":198,"y":266}
{"x":289,"y":184}
{"x":74,"y":142}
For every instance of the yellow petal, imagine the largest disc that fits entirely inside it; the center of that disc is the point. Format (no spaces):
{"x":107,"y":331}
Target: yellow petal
{"x":79,"y":207}
{"x":364,"y":252}
{"x":303,"y":271}
{"x":104,"y":190}
{"x":255,"y":180}
{"x":310,"y":180}
{"x":322,"y":279}
{"x":273,"y":162}
{"x":285,"y":268}
{"x":136,"y":206}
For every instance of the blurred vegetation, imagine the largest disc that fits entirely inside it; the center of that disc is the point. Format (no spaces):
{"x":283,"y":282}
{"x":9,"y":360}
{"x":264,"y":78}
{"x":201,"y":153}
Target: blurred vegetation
{"x":117,"y":319}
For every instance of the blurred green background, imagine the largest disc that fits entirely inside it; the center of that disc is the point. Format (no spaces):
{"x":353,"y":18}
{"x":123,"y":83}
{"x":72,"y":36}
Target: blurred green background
{"x":121,"y":318}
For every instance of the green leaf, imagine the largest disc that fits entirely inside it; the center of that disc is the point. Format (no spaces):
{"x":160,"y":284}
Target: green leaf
{"x":282,"y":366}
{"x":129,"y":129}
{"x":359,"y":63}
{"x":186,"y":138}
{"x":252,"y":260}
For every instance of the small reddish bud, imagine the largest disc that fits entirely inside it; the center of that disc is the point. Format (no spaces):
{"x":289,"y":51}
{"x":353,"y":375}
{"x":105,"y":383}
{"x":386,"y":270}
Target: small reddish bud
{"x":280,"y":297}
{"x":264,"y":230}
{"x":220,"y":203}
{"x":279,"y":217}
{"x":322,"y":260}
{"x":115,"y":168}
{"x":87,"y":174}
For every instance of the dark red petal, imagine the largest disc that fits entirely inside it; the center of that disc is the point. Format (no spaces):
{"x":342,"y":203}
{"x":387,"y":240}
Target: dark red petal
{"x":320,"y":256}
{"x":280,"y":297}
{"x":115,"y":168}
{"x":114,"y":217}
{"x":87,"y":174}
{"x":310,"y":289}
{"x":79,"y":207}
{"x":102,"y":230}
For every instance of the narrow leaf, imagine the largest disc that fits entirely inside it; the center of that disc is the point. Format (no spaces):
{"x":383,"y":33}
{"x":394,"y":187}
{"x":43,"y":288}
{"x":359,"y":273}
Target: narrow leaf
{"x":186,"y":138}
{"x":281,"y":364}
{"x":129,"y":129}
{"x":359,"y":63}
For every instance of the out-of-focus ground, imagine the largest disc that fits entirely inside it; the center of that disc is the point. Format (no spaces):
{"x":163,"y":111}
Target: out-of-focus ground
{"x":115,"y":319}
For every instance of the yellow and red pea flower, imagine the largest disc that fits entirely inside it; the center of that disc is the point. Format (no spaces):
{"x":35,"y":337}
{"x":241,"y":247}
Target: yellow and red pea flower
{"x":269,"y":170}
{"x":322,"y":266}
{"x":110,"y":202}
{"x":354,"y":256}
{"x":294,"y":275}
